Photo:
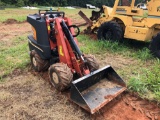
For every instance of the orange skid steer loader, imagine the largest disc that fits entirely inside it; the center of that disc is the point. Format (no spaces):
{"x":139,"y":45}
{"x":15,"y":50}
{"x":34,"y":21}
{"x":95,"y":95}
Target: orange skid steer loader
{"x":53,"y":47}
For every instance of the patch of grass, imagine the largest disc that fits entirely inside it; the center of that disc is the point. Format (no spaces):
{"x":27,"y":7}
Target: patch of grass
{"x":144,"y":54}
{"x":13,"y":42}
{"x":15,"y":56}
{"x":94,"y":46}
{"x":147,"y":81}
{"x":137,"y":85}
{"x":20,"y":14}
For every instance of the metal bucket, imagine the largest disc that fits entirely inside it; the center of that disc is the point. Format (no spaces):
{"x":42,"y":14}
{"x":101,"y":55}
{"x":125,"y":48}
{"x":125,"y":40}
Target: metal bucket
{"x":95,"y":90}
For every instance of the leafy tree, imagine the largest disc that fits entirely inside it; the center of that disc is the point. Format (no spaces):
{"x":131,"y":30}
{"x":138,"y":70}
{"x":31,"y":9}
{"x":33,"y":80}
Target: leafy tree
{"x":20,"y":3}
{"x":2,"y":3}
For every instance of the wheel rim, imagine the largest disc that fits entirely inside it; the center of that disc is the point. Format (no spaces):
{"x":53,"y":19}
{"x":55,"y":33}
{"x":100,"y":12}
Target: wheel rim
{"x":55,"y":78}
{"x":34,"y":61}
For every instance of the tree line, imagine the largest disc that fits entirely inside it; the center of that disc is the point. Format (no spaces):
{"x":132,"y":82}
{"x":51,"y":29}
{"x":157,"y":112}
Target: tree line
{"x":80,"y":3}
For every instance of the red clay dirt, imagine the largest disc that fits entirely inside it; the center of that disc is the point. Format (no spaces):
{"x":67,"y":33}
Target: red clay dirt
{"x":129,"y":107}
{"x":92,"y":36}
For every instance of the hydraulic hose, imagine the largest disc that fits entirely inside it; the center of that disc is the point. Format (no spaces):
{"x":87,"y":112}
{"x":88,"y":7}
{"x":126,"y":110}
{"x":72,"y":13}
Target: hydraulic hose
{"x":71,"y":39}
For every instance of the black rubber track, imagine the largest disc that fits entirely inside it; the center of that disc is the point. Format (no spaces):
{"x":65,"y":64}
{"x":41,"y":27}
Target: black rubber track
{"x":110,"y":31}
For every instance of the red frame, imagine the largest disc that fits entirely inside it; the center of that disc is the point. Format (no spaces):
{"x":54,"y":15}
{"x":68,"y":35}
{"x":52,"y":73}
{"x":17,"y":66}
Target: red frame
{"x":66,"y":54}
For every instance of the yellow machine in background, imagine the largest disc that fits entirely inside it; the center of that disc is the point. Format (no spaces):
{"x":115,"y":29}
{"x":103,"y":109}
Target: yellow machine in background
{"x":128,"y":22}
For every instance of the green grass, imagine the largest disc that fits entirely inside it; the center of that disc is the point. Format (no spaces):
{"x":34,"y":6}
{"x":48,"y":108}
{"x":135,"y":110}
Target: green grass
{"x":14,"y":56}
{"x":20,"y":14}
{"x":125,"y":49}
{"x":17,"y":14}
{"x":147,"y":81}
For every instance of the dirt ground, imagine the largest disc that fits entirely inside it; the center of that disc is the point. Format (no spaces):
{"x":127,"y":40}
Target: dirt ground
{"x":11,"y":29}
{"x":28,"y":95}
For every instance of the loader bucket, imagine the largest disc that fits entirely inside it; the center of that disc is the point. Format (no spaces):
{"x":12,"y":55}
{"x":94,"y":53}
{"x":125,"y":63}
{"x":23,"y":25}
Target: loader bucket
{"x":95,"y":90}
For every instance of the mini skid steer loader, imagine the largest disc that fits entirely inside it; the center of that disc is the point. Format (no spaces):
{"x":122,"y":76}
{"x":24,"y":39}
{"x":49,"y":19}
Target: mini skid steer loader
{"x":53,"y":47}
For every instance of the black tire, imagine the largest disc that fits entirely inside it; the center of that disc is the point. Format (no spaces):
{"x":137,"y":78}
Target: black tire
{"x":60,"y":76}
{"x":91,"y":62}
{"x":110,"y":31}
{"x":38,"y":64}
{"x":155,"y":46}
